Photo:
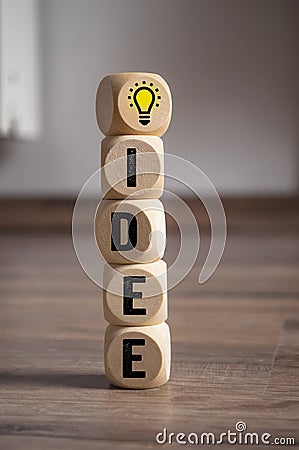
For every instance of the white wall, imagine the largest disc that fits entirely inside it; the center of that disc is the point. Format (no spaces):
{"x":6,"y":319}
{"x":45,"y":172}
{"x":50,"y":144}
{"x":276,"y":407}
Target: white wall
{"x":19,"y":68}
{"x":233,"y":69}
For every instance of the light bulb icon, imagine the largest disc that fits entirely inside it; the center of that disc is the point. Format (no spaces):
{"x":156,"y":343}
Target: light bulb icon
{"x":144,"y":98}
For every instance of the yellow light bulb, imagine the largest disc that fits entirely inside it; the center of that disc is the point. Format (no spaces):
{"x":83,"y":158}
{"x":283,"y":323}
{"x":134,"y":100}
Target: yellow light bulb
{"x":144,"y":98}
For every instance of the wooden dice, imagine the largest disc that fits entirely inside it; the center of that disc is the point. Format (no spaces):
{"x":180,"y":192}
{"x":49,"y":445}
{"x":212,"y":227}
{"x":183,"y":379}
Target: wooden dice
{"x":130,"y":231}
{"x":135,"y":294}
{"x":133,"y":103}
{"x":137,"y":357}
{"x":133,"y":110}
{"x":132,"y":166}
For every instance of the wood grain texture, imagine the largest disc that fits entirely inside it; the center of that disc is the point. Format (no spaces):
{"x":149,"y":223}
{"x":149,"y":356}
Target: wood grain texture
{"x":234,"y":340}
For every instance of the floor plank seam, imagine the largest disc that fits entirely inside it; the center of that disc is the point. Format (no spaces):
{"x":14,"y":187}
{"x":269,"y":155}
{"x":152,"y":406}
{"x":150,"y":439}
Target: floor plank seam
{"x":274,"y":357}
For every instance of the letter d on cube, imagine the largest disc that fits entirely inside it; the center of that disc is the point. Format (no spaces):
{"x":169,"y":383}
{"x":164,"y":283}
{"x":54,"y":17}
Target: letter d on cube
{"x":130,"y":231}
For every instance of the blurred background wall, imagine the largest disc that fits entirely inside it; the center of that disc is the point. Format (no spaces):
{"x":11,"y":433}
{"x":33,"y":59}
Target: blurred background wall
{"x":233,"y":69}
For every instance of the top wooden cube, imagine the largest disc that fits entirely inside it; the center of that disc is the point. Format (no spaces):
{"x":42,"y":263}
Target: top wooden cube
{"x":133,"y":103}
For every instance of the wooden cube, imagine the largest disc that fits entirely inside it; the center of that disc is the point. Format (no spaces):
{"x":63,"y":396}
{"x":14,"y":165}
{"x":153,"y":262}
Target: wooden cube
{"x":133,"y":103}
{"x":130,"y":231}
{"x":137,"y":357}
{"x":133,"y":166}
{"x":135,"y":294}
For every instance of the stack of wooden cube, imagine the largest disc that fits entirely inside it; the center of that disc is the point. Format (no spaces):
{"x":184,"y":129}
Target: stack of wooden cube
{"x":133,"y":110}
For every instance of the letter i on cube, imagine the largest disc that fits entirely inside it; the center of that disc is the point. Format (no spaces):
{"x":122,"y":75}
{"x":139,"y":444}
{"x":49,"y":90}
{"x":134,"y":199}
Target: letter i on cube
{"x":133,"y":110}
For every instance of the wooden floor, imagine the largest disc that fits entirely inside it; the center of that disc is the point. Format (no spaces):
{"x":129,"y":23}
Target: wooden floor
{"x":235,"y":340}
